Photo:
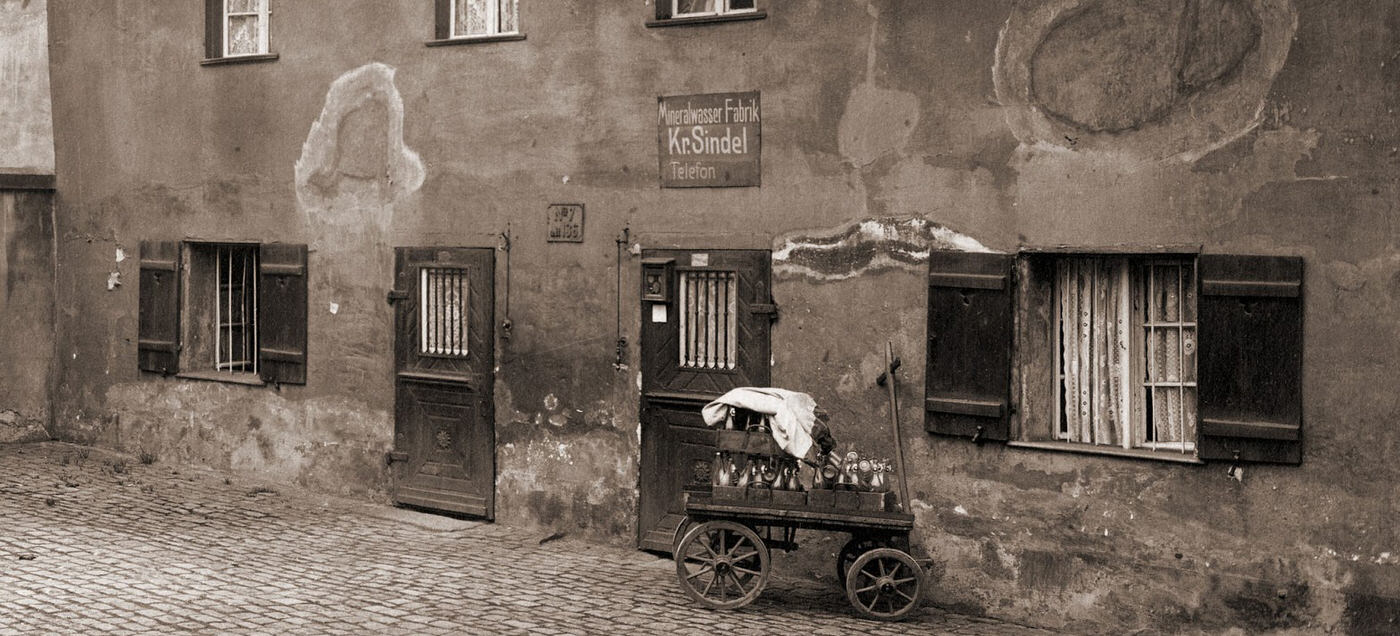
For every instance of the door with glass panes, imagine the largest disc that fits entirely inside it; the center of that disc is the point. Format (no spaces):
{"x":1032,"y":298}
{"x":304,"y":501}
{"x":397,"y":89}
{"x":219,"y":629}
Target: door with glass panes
{"x":705,"y":330}
{"x":444,"y":430}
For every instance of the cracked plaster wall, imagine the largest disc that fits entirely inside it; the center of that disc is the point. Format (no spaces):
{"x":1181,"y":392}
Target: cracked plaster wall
{"x":890,"y":127}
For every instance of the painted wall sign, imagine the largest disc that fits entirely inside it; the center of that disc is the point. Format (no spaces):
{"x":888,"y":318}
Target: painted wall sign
{"x":566,"y":223}
{"x":709,"y":141}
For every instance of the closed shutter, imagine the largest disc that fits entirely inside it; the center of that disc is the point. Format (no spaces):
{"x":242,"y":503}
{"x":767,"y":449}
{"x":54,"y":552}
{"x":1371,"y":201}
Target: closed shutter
{"x":158,"y":319}
{"x":968,"y":383}
{"x":1251,"y":358}
{"x":282,"y":313}
{"x":663,"y":9}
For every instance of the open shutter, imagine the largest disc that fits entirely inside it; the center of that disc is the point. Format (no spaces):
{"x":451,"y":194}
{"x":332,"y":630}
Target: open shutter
{"x":213,"y":29}
{"x":968,"y":383}
{"x":442,"y":20}
{"x":158,"y":319}
{"x":282,"y":313}
{"x":1251,"y":358}
{"x":663,"y":9}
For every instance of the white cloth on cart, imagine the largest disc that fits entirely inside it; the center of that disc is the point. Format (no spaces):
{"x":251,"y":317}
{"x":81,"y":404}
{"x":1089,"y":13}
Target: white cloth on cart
{"x":790,"y":414}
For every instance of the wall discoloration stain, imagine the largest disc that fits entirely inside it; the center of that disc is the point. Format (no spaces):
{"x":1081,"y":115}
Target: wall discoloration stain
{"x":1148,"y":79}
{"x":307,"y":442}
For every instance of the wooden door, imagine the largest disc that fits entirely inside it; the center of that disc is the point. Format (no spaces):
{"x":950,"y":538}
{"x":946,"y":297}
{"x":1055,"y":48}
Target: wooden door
{"x":710,"y":334}
{"x":444,"y":428}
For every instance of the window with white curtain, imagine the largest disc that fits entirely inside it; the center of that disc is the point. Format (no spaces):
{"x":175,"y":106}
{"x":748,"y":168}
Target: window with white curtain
{"x":1124,"y":342}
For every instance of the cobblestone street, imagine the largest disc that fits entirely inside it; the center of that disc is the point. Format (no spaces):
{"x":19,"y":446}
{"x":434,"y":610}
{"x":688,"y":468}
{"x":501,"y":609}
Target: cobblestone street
{"x":98,"y":542}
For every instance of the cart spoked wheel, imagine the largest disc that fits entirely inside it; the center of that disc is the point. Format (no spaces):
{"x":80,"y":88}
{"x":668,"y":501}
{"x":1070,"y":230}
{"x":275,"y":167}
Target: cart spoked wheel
{"x":722,"y":564}
{"x":885,"y":584}
{"x":853,"y":548}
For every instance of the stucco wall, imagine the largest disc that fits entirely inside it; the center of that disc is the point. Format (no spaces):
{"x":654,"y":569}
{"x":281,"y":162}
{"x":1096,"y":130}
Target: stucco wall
{"x":26,"y":313}
{"x":1270,"y":130}
{"x":26,"y":121}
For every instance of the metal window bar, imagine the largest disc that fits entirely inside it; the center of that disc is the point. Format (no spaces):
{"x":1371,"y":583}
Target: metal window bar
{"x":708,"y":308}
{"x":236,"y":309}
{"x":442,"y":326}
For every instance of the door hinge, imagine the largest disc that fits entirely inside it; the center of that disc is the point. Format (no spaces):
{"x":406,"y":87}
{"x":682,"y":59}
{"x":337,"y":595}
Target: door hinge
{"x":771,"y":309}
{"x":396,"y":295}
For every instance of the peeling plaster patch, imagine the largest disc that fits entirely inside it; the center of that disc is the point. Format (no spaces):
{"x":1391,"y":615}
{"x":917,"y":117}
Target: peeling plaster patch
{"x":114,"y":280}
{"x":869,"y":245}
{"x":356,"y":149}
{"x":960,"y":510}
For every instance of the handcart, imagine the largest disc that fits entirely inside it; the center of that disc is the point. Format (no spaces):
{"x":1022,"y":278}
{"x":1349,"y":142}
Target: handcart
{"x":722,"y":548}
{"x":722,"y":557}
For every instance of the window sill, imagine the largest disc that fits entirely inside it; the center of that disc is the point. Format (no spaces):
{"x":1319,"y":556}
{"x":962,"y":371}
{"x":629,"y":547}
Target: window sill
{"x":1111,"y":451}
{"x":708,"y":19}
{"x":216,"y":376}
{"x":239,"y":59}
{"x":477,"y":39}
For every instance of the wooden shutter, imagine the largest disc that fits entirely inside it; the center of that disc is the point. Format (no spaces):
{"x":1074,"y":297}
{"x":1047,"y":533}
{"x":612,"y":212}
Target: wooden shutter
{"x":663,"y":9}
{"x":1251,"y":358}
{"x":442,"y":19}
{"x":968,"y":383}
{"x":282,"y":313}
{"x":213,"y":29}
{"x":158,"y":319}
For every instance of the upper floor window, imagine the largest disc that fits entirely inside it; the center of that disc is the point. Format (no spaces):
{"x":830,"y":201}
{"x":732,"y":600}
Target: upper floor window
{"x":245,"y":27}
{"x":476,"y":20}
{"x":236,"y":30}
{"x":695,"y":8}
{"x":678,"y":12}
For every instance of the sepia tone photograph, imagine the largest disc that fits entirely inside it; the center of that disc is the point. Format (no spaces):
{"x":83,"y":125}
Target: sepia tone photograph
{"x":699,"y":317}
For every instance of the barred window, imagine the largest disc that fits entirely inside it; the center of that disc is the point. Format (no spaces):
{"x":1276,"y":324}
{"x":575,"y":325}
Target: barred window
{"x":236,"y":308}
{"x":708,"y":309}
{"x":442,"y":325}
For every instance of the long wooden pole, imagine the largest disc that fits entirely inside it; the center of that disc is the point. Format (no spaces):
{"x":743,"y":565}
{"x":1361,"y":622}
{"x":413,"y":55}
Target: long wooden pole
{"x":891,"y":364}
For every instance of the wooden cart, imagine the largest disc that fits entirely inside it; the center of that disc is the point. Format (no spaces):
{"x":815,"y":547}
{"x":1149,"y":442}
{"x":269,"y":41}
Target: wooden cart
{"x":722,"y":559}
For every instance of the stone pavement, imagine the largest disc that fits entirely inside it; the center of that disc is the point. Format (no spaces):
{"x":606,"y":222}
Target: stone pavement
{"x":98,"y":542}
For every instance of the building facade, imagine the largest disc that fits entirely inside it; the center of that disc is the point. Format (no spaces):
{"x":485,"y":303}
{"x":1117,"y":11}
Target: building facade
{"x":1138,"y":260}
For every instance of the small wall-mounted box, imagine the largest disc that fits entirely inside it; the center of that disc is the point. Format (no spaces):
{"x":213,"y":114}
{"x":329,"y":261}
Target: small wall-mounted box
{"x":656,"y":279}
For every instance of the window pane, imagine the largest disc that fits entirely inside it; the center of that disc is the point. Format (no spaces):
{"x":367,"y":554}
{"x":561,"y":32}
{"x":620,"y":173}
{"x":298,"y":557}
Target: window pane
{"x":695,"y":6}
{"x":243,"y":35}
{"x":740,"y":5}
{"x":510,"y":12}
{"x":244,"y":6}
{"x":473,"y":17}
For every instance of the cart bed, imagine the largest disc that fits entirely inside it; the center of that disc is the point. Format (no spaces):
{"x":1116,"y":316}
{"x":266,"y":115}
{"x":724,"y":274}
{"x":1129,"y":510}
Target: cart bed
{"x":700,"y":506}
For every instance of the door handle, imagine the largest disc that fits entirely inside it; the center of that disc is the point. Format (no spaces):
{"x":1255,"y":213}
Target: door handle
{"x":394,"y":456}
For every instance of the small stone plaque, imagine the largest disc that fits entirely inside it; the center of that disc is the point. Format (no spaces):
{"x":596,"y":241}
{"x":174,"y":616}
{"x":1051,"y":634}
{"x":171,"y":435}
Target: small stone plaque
{"x":566,"y":223}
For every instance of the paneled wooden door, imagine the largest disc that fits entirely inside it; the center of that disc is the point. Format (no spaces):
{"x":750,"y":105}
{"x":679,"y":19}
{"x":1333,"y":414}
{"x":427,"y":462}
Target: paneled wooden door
{"x":444,"y":352}
{"x":710,"y":335}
